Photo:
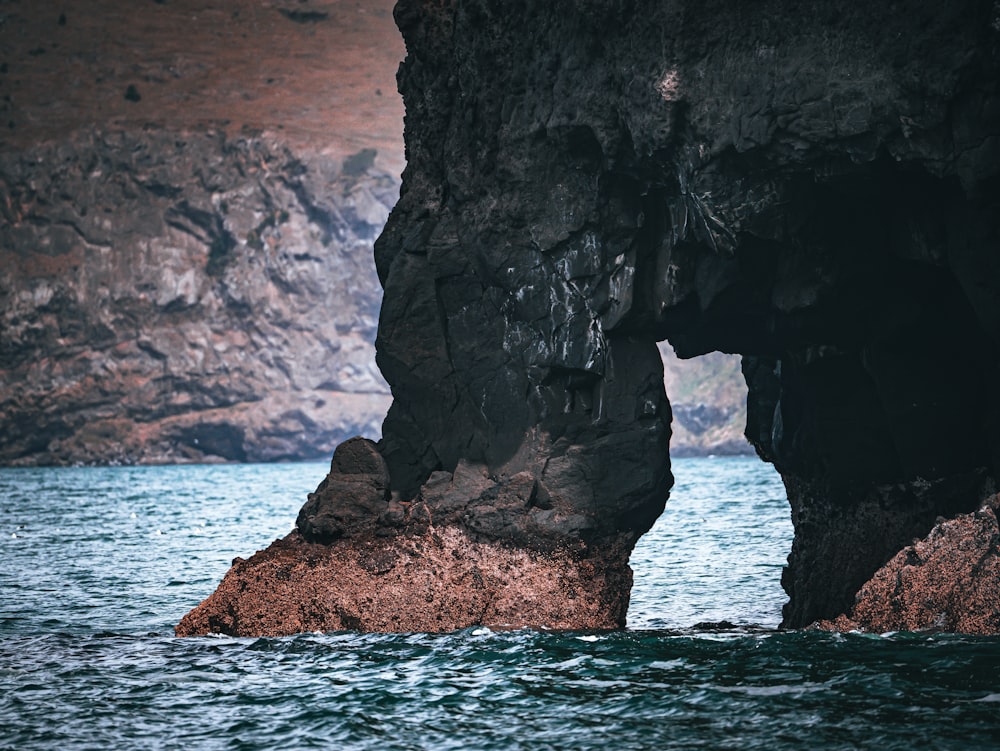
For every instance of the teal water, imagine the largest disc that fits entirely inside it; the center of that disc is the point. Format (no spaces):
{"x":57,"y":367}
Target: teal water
{"x":96,"y":565}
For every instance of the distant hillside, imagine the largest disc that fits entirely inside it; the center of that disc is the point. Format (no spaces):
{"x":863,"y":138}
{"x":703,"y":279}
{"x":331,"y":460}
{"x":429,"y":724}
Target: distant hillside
{"x":708,"y":397}
{"x":171,"y":296}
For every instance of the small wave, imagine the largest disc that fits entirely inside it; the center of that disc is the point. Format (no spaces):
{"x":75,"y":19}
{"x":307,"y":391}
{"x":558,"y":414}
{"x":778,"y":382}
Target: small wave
{"x":778,"y":690}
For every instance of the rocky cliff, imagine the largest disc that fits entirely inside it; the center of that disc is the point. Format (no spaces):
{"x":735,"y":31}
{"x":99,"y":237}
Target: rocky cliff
{"x":189,"y":193}
{"x":812,"y":185}
{"x":182,"y":296}
{"x":708,"y":399}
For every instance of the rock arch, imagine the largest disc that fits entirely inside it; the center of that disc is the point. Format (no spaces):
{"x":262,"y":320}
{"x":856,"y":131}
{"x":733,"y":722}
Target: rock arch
{"x":814,"y":187}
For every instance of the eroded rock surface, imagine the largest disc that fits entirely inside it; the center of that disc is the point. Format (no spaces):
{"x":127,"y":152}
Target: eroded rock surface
{"x":439,"y":581}
{"x":812,"y":186}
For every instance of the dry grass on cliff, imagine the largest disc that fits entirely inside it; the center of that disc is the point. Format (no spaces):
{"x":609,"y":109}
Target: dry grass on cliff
{"x":321,"y":71}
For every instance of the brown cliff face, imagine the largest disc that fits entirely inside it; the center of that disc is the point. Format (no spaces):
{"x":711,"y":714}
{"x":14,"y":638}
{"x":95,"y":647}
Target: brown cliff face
{"x":178,"y":296}
{"x":708,"y":399}
{"x":190,"y":193}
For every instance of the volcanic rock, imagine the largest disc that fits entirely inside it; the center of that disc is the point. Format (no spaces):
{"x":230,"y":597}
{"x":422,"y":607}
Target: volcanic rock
{"x":791,"y":184}
{"x":353,"y":496}
{"x":813,"y":186}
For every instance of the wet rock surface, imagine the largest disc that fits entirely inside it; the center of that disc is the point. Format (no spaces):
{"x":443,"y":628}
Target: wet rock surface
{"x":814,"y":188}
{"x":352,"y":497}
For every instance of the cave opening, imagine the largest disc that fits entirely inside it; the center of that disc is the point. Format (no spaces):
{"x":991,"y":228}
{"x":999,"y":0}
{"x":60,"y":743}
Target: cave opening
{"x":715,"y":554}
{"x":868,"y":353}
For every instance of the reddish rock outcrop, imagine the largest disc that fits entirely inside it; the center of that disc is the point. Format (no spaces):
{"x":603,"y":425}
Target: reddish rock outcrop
{"x":948,"y":581}
{"x":467,"y":550}
{"x":442,"y":580}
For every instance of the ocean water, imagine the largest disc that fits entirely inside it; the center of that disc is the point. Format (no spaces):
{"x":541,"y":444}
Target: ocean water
{"x":97,"y":565}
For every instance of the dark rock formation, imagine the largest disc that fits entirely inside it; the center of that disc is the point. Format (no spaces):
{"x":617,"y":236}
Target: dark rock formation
{"x":182,"y":296}
{"x":814,"y":186}
{"x":352,"y":497}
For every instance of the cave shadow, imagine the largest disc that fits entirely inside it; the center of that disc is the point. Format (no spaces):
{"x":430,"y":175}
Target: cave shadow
{"x":869,"y":346}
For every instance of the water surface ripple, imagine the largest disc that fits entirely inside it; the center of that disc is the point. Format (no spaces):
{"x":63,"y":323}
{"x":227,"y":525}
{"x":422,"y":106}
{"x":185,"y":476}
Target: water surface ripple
{"x":96,"y":565}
